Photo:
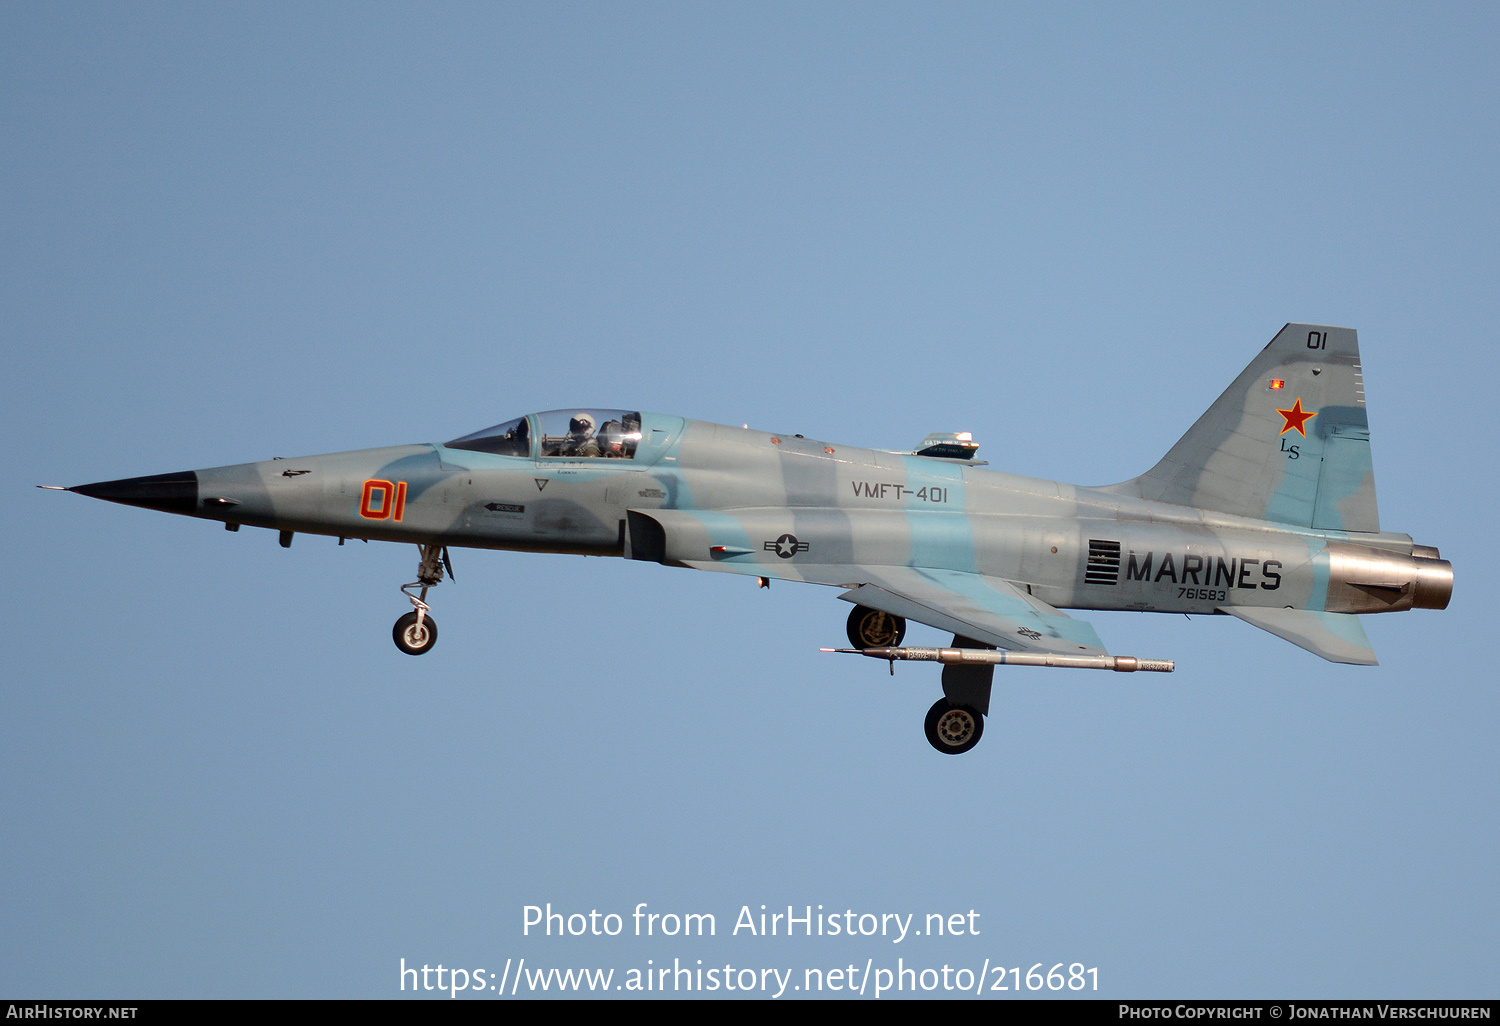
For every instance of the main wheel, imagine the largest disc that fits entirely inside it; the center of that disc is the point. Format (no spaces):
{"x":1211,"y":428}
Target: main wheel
{"x":870,"y":628}
{"x":953,"y":729}
{"x":412,"y":638}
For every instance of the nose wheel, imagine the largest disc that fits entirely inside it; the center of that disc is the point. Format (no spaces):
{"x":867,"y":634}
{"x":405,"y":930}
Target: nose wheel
{"x":414,"y":636}
{"x":416,"y":632}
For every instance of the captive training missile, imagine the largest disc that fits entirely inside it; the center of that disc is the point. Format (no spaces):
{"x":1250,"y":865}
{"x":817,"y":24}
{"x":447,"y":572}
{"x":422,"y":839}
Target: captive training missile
{"x":994,"y":657}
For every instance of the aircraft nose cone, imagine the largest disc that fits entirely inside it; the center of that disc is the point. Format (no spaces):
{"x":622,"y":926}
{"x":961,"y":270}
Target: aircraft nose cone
{"x":170,"y":493}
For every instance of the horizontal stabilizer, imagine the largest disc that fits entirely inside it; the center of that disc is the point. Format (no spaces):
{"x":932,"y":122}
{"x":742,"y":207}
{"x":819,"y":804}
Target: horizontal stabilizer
{"x":1337,"y":637}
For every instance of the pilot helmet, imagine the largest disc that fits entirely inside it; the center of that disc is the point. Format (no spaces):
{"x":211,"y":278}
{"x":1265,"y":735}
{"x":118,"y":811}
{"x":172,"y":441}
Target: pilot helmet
{"x":581,"y":424}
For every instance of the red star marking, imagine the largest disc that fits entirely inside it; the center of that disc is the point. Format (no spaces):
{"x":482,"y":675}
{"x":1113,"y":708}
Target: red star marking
{"x":1295,"y":418}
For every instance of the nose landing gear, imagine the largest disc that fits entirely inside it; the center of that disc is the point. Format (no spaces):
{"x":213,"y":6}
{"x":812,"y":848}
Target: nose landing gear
{"x":416,"y":632}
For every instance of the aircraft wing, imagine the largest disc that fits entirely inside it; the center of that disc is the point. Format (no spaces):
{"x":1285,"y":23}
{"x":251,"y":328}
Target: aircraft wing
{"x":986,"y":609}
{"x":990,"y":610}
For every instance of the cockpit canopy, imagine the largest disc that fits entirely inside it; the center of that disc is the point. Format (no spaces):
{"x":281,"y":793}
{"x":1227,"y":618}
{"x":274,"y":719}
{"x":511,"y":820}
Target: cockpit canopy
{"x":561,"y":434}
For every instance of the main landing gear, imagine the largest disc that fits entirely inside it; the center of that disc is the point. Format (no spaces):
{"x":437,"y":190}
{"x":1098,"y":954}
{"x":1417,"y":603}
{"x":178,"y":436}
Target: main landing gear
{"x":871,"y":628}
{"x":416,"y":632}
{"x":953,"y":729}
{"x":955,"y":723}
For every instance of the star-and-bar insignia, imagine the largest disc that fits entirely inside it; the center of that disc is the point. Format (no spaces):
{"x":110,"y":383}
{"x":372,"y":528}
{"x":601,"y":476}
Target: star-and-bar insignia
{"x":1295,"y":418}
{"x":786,"y":546}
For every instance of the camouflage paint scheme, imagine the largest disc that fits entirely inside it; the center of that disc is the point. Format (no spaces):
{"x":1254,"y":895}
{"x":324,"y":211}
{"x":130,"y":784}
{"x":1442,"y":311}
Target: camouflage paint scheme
{"x":1265,"y":510}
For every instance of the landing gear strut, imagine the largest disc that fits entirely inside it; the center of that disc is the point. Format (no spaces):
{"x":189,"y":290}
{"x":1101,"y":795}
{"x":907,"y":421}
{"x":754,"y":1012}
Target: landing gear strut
{"x":416,"y":632}
{"x":953,"y":729}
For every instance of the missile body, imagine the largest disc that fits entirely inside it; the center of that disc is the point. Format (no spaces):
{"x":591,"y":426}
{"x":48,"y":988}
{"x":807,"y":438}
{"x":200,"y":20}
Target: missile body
{"x":996,"y":657}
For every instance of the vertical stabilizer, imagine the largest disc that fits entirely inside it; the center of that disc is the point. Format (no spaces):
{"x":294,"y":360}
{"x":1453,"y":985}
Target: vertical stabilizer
{"x":1288,"y":441}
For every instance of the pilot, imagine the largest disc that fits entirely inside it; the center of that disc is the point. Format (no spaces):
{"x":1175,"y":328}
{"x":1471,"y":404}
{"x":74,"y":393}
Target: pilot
{"x":580,"y":438}
{"x":632,"y":428}
{"x":612,"y":439}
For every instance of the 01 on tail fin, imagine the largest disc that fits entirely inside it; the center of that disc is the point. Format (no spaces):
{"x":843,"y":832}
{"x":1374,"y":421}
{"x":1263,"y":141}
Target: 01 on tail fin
{"x":1288,"y":441}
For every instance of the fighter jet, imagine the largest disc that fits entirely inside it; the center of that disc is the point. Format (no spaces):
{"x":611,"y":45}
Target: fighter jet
{"x":1265,"y":510}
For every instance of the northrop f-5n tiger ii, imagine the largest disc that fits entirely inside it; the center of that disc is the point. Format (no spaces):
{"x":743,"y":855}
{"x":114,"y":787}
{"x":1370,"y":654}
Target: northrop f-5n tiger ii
{"x":1264,"y":510}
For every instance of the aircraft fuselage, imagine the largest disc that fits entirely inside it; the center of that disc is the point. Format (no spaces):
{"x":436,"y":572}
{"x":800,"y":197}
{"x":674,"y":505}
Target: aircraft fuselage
{"x":724,"y":498}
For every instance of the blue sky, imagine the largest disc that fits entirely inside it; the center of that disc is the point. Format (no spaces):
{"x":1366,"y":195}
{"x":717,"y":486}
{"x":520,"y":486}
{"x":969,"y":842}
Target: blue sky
{"x":233,"y":232}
